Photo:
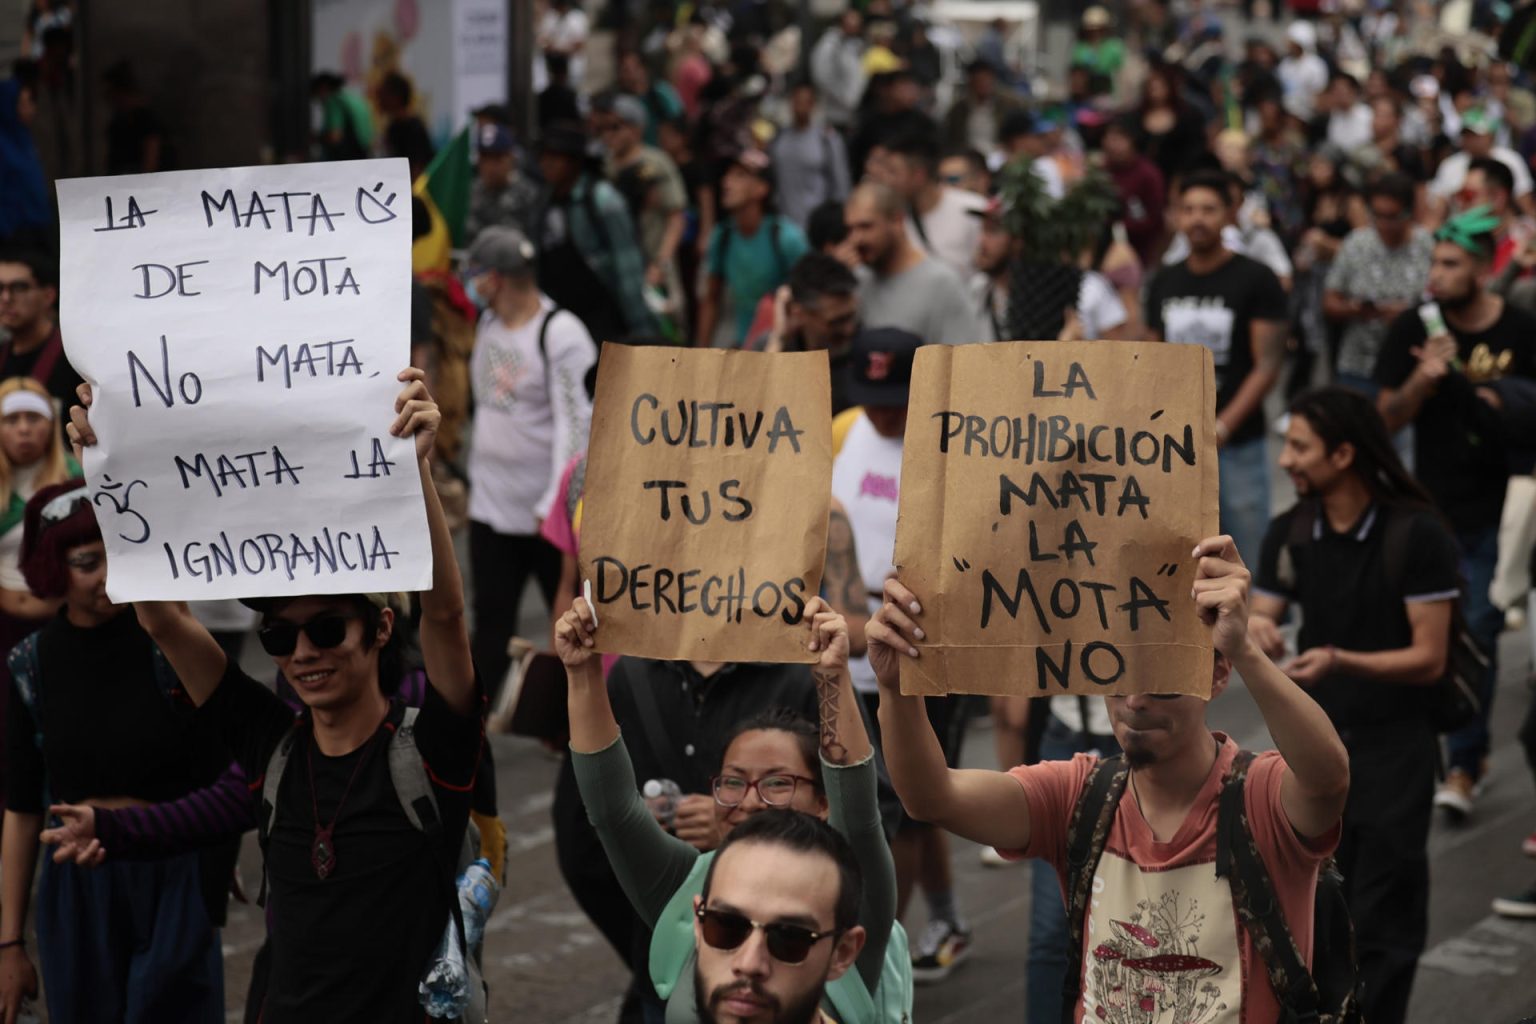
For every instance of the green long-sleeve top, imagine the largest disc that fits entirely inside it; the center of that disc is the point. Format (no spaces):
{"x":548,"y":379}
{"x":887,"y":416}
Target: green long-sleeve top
{"x":651,"y":864}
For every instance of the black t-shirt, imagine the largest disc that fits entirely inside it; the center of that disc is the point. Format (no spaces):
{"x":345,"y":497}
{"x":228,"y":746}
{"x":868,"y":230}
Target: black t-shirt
{"x":62,"y":378}
{"x":110,"y":726}
{"x":1350,"y":598}
{"x":1457,"y":452}
{"x":354,"y":946}
{"x":1217,"y":310}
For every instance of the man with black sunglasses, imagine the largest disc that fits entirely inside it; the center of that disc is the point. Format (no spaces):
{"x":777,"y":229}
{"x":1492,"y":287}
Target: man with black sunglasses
{"x":360,"y":895}
{"x":776,"y":921}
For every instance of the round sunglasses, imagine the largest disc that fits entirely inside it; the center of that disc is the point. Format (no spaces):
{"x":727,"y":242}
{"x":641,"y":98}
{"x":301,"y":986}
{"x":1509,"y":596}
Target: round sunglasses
{"x":787,"y":943}
{"x":279,"y":639}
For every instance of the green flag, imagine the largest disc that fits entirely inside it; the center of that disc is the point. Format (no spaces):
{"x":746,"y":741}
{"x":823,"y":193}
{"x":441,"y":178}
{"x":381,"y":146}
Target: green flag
{"x":448,"y":177}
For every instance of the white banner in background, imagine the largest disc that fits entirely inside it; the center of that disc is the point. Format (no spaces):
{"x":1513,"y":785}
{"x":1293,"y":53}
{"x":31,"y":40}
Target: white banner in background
{"x":243,"y":329}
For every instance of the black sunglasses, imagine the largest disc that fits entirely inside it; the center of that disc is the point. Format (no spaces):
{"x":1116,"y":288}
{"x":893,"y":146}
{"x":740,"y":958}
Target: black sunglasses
{"x":324,"y":631}
{"x":787,"y":943}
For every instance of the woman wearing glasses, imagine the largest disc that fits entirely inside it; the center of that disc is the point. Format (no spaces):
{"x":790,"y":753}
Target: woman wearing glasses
{"x":96,"y":716}
{"x":769,"y":762}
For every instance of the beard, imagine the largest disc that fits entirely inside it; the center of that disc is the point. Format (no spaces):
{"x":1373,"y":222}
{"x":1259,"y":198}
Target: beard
{"x":800,"y":1011}
{"x":1461,"y":301}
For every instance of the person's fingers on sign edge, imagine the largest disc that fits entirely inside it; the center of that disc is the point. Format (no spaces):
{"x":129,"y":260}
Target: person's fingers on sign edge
{"x":897,"y":593}
{"x":883,"y":632}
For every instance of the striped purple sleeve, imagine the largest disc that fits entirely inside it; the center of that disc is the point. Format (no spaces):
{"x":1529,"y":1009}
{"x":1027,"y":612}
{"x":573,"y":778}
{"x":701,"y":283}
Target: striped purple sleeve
{"x":204,"y":817}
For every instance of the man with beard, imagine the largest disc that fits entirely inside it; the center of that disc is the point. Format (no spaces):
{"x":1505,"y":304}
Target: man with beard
{"x":1372,"y":566}
{"x":901,"y":285}
{"x":776,"y":922}
{"x":1235,"y":307}
{"x":1097,"y":315}
{"x":1440,"y":382}
{"x":1160,"y":845}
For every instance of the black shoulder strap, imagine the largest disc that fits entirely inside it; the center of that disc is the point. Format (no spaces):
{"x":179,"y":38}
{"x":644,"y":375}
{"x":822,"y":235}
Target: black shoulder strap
{"x":589,"y":203}
{"x":1086,"y":835}
{"x":544,"y":340}
{"x":1253,"y":893}
{"x":656,"y":735}
{"x":922,"y":232}
{"x":828,"y":159}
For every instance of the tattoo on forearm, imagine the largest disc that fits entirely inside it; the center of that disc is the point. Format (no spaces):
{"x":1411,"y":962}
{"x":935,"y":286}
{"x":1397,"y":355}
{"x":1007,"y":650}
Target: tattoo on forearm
{"x":1271,"y":345}
{"x":829,"y":695}
{"x":844,"y":587}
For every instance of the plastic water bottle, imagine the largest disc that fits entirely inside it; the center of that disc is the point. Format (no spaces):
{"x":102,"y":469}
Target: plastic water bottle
{"x":444,"y":989}
{"x":661,"y":796}
{"x":478,"y":891}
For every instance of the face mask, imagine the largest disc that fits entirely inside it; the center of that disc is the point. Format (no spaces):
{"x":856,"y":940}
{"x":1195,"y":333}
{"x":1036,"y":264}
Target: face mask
{"x":479,"y":298}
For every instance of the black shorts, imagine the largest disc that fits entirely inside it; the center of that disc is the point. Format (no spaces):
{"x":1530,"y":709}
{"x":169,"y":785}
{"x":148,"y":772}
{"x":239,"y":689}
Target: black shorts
{"x":948,"y":716}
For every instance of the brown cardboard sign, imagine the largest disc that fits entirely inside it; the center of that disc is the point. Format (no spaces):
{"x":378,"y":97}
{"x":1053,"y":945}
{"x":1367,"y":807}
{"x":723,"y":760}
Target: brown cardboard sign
{"x":1052,"y":494}
{"x":704,"y":528}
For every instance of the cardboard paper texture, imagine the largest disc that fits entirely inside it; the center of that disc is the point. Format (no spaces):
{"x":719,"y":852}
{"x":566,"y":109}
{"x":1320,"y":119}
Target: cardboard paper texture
{"x":242,"y":329}
{"x":705,"y":524}
{"x":1052,"y":493}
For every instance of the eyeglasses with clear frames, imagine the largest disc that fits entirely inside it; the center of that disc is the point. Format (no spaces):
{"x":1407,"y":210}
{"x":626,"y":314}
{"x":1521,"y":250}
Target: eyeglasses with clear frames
{"x":773,"y":790}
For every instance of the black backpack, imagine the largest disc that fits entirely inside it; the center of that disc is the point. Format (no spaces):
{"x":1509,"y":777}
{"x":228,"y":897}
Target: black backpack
{"x":1328,"y":994}
{"x":1450,"y":703}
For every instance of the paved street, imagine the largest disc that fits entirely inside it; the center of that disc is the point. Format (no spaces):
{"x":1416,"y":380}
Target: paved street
{"x":546,"y":964}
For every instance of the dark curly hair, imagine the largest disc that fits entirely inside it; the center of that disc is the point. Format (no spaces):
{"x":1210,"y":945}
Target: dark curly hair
{"x":45,"y":545}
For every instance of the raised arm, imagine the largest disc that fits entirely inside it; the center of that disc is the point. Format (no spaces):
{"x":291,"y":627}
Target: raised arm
{"x":1316,"y":781}
{"x":987,"y":807}
{"x":197,"y":658}
{"x":649,"y":863}
{"x":847,"y":765}
{"x":444,"y":634}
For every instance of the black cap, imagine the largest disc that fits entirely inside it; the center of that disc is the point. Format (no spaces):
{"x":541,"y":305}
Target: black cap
{"x":567,"y":138}
{"x":880,"y":366}
{"x":499,"y":113}
{"x":1014,"y":124}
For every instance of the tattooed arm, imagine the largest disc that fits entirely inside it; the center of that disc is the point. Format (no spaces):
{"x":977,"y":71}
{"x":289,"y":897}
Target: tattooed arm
{"x":848,"y":770}
{"x":844,"y":740}
{"x":1269,"y":338}
{"x":841,"y":582}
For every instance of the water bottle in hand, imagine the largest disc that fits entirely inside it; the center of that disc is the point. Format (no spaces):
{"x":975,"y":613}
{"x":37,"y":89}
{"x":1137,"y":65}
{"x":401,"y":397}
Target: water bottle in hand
{"x":444,"y":989}
{"x":661,"y":796}
{"x":478,"y":890}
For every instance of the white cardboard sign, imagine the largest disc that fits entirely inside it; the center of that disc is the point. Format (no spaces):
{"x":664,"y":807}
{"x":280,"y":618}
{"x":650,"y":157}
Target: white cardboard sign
{"x":242,"y":330}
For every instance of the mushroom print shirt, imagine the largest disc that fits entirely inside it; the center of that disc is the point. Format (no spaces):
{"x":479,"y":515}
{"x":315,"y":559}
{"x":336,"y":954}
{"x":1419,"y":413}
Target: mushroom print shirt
{"x":1163,"y":943}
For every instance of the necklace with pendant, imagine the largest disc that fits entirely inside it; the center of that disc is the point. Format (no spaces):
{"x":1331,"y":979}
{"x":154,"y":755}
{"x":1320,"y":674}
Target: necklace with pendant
{"x":322,"y":851}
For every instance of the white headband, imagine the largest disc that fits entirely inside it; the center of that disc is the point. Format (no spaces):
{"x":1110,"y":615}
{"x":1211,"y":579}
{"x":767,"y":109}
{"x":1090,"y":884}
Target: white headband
{"x":26,"y":401}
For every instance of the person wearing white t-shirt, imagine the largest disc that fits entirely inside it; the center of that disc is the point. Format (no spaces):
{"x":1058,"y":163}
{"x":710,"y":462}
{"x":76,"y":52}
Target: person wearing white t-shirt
{"x":939,"y":217}
{"x":866,"y":480}
{"x":1099,"y":312}
{"x":563,"y":30}
{"x":532,"y":413}
{"x":1478,"y":131}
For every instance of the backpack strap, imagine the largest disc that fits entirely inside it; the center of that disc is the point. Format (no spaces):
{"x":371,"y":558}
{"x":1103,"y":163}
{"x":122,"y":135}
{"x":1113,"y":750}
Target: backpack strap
{"x":409,"y":775}
{"x":544,"y":342}
{"x":269,"y":784}
{"x":1086,"y":835}
{"x":1253,"y":894}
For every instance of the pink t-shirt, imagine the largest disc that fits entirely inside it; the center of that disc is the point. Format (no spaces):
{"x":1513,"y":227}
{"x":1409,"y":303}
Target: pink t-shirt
{"x":562,"y":528}
{"x":1163,"y":943}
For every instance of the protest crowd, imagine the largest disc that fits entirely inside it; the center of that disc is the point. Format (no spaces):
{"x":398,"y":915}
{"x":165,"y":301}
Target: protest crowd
{"x":1333,"y":200}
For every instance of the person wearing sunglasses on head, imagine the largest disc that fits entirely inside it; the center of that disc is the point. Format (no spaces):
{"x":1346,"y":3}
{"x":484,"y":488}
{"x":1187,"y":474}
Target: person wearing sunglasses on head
{"x":1155,"y":814}
{"x":96,"y":716}
{"x":359,"y":895}
{"x":776,"y":922}
{"x":769,"y":765}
